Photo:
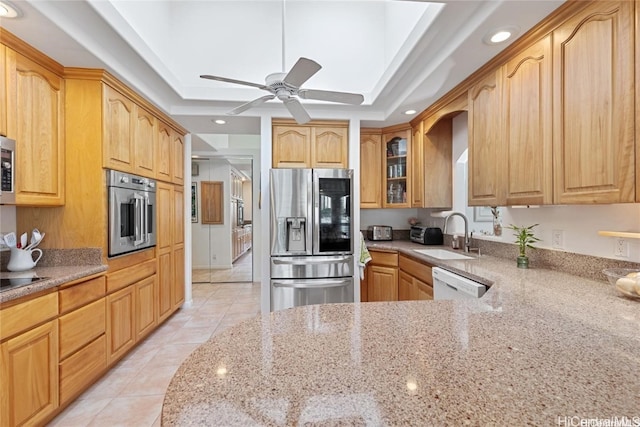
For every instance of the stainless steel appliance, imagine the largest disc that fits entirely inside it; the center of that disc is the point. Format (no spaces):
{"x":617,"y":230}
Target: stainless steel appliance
{"x":132,"y":212}
{"x":312,"y":237}
{"x":7,"y":169}
{"x":426,"y":235}
{"x":379,"y":232}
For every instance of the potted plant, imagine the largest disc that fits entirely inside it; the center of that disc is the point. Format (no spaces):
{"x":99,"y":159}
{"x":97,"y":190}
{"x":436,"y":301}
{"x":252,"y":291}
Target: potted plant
{"x":525,"y":239}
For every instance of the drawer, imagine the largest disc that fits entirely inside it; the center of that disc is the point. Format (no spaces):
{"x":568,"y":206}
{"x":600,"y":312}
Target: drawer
{"x":130,"y":275}
{"x":417,"y":269}
{"x":83,"y":293}
{"x":81,"y":369}
{"x":384,"y":258}
{"x":26,"y":315}
{"x":81,"y":326}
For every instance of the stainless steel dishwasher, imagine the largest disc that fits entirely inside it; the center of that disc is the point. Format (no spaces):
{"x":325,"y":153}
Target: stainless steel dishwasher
{"x":451,"y":286}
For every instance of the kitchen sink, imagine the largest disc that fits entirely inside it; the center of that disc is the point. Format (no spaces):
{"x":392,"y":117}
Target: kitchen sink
{"x":442,"y":254}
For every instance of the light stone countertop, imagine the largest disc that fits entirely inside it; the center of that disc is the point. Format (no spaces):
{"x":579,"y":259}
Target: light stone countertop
{"x":539,"y":348}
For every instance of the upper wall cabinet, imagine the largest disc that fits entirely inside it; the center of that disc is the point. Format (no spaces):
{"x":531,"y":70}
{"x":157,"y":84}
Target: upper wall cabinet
{"x":177,"y":147}
{"x":485,"y":150}
{"x":35,"y":119}
{"x":396,"y":158}
{"x":370,"y":169}
{"x":526,"y":128}
{"x":313,"y":145}
{"x":3,"y":91}
{"x":593,"y":104}
{"x":118,"y":128}
{"x":145,"y":143}
{"x":163,"y":152}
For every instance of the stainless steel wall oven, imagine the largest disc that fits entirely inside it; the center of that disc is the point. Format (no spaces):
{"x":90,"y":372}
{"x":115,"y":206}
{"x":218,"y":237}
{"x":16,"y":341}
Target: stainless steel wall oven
{"x":132,"y":212}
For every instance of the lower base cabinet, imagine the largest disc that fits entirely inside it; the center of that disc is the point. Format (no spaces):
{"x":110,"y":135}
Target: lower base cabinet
{"x":29,"y":376}
{"x":121,"y":333}
{"x":415,"y":281}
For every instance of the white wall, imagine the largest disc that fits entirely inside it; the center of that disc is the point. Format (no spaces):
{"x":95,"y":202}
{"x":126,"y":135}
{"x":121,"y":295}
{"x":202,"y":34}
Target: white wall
{"x":7,"y":221}
{"x":396,"y":218}
{"x":579,"y":223}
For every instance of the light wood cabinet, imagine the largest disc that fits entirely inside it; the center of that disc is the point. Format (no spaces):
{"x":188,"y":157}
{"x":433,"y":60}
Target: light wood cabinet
{"x":3,"y":91}
{"x":163,"y":152}
{"x":29,"y":360}
{"x":417,"y":166}
{"x":314,"y":145}
{"x":177,"y":147}
{"x":29,"y":376}
{"x":144,"y":143}
{"x":170,"y":249}
{"x":291,"y":146}
{"x":146,"y":306}
{"x":593,"y":104}
{"x":329,"y":147}
{"x":118,"y":131}
{"x":415,"y":281}
{"x":437,"y":172}
{"x":527,"y":127}
{"x":485,"y":148}
{"x":370,"y":169}
{"x":397,"y":167}
{"x":382,"y":276}
{"x":82,"y":339}
{"x":35,"y":119}
{"x":121,"y":329}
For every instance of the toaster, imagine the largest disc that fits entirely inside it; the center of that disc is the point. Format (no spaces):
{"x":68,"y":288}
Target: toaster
{"x":379,"y":232}
{"x":426,"y":235}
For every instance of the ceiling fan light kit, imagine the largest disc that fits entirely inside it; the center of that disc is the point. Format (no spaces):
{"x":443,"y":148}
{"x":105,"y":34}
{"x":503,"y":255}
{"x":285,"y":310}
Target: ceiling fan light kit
{"x":286,"y":87}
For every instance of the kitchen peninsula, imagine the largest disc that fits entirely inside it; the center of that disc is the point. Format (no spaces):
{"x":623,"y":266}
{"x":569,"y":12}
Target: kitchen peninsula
{"x":540,"y":347}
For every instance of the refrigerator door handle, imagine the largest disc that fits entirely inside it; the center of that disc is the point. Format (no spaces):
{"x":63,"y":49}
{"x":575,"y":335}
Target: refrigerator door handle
{"x":314,"y":285}
{"x":308,"y":261}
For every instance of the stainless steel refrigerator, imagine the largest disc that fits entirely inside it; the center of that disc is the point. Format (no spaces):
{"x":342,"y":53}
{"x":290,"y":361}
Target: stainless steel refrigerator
{"x":312,"y":237}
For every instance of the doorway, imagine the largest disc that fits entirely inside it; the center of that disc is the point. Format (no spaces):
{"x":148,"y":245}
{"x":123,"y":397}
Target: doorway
{"x":221,"y":220}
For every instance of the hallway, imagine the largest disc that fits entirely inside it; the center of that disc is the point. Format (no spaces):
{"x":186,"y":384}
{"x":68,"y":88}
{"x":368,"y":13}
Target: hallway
{"x":240,"y":272}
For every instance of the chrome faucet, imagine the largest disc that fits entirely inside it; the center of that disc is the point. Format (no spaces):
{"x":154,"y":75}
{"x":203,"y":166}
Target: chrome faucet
{"x":467,"y":241}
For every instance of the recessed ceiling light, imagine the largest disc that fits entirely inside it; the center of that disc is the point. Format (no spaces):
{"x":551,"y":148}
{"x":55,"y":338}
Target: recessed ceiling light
{"x":219,"y":122}
{"x":7,"y":10}
{"x":500,"y":35}
{"x":410,"y":112}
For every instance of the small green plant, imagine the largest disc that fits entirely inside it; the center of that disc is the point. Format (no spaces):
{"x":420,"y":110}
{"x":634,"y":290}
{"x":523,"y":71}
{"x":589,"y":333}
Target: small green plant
{"x":524,"y":238}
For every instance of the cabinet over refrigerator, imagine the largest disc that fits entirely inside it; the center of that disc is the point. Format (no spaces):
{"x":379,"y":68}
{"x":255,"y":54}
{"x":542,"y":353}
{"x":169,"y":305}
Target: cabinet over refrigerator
{"x":312,"y":237}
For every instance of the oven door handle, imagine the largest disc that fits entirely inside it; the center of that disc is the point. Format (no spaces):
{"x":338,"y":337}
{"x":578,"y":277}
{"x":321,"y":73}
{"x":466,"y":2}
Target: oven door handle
{"x":311,"y":285}
{"x":138,"y":234}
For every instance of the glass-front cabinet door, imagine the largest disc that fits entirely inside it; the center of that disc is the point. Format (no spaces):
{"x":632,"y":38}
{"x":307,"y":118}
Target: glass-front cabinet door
{"x":397,"y":170}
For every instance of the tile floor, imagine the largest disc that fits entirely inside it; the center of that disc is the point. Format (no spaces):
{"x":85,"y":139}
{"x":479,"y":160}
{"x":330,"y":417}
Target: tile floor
{"x":240,"y":272}
{"x":131,"y":393}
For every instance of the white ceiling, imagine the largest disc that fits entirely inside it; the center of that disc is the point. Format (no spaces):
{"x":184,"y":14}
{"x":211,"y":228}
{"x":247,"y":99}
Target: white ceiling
{"x":399,"y":54}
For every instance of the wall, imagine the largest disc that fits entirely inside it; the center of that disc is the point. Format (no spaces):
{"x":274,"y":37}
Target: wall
{"x":7,"y":222}
{"x":579,"y":223}
{"x":211,"y":243}
{"x":247,"y":198}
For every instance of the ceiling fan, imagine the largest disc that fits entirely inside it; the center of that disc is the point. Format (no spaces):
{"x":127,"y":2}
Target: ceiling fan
{"x":286,"y":87}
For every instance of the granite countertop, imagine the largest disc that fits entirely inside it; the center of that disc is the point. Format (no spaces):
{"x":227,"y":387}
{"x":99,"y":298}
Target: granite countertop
{"x":540,"y":347}
{"x":59,"y":267}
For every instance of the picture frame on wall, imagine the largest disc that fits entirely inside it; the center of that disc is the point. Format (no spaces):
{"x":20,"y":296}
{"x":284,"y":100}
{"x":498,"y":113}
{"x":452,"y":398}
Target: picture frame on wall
{"x":482,"y":214}
{"x":194,"y":202}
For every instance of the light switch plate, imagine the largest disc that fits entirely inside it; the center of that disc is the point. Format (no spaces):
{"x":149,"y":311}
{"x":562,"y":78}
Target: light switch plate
{"x":557,"y":239}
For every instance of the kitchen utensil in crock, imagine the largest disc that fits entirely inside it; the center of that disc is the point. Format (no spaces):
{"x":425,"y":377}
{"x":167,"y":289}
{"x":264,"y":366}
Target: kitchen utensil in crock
{"x":10,"y":239}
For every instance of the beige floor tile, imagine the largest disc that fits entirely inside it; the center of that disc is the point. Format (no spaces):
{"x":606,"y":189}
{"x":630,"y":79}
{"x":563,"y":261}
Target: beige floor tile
{"x":172,"y":355}
{"x":130,"y":411}
{"x":150,"y":381}
{"x":80,"y":413}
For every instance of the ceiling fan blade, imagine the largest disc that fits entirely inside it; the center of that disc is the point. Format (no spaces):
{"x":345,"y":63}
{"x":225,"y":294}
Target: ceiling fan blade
{"x":250,"y":104}
{"x":327,"y":95}
{"x":239,"y":82}
{"x":297,"y":110}
{"x":301,"y":72}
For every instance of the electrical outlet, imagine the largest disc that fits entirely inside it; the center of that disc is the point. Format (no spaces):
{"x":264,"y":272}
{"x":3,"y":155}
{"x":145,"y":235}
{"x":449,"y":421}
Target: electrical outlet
{"x":214,"y":257}
{"x":557,"y":239}
{"x":621,"y":248}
